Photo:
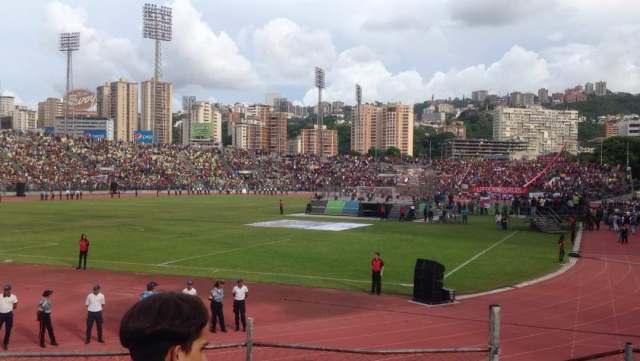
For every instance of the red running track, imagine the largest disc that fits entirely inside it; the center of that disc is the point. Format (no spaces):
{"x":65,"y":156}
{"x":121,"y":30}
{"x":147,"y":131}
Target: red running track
{"x":593,"y":307}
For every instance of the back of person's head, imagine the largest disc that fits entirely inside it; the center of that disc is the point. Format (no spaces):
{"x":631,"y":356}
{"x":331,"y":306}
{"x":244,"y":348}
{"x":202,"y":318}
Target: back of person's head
{"x":167,"y":323}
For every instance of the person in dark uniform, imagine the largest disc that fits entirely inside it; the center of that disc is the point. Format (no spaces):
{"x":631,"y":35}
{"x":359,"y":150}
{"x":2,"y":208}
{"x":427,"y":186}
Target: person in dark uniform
{"x":84,"y":251}
{"x":281,"y":204}
{"x":44,"y":317}
{"x":377,"y":269}
{"x":561,"y":248}
{"x":216,"y":297}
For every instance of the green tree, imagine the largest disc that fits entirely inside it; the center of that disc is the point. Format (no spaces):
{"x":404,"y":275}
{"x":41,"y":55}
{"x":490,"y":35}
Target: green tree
{"x":589,"y":130}
{"x":344,"y":138}
{"x":226,"y":137}
{"x":392,"y":152}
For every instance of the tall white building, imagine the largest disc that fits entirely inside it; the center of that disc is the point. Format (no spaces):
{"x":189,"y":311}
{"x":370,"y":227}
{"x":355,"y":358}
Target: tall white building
{"x":479,"y":95}
{"x":7,"y":105}
{"x":157,"y":117}
{"x":601,"y":88}
{"x":24,"y":118}
{"x":202,"y":116}
{"x":118,"y":100}
{"x":544,"y":130}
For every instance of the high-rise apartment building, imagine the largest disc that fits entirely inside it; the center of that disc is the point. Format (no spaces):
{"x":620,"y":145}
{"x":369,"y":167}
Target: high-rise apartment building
{"x":202,"y":118}
{"x":363,"y":127}
{"x":248,"y":134}
{"x":396,"y":129}
{"x":543,"y":96}
{"x":156,"y":112}
{"x":48,"y":110}
{"x":24,"y":118}
{"x":528,"y":99}
{"x":103,"y":100}
{"x":310,"y":141}
{"x":258,"y":111}
{"x":601,"y":88}
{"x":588,"y":88}
{"x":479,"y":95}
{"x":118,"y":100}
{"x":276,"y":132}
{"x":7,"y":105}
{"x":382,"y":127}
{"x":544,"y":130}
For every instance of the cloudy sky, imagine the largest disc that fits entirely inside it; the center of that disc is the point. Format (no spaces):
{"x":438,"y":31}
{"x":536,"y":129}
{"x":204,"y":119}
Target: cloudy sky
{"x":400,"y":50}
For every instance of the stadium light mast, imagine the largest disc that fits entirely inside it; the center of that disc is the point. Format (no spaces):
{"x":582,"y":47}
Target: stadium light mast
{"x":158,"y":26}
{"x":69,"y":42}
{"x":320,"y":85}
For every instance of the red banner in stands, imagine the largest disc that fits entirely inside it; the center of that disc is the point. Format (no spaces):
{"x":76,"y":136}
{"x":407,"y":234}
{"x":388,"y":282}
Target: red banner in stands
{"x":502,"y":190}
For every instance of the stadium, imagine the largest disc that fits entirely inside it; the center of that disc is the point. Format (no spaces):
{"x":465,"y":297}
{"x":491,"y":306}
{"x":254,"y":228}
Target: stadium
{"x":168,"y":213}
{"x":496,"y":227}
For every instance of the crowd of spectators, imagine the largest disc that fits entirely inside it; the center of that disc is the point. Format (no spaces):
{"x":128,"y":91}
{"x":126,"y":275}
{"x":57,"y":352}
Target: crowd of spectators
{"x":46,"y":162}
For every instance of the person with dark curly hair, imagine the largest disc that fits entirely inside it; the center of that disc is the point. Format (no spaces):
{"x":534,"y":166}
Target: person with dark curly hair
{"x":166,"y":327}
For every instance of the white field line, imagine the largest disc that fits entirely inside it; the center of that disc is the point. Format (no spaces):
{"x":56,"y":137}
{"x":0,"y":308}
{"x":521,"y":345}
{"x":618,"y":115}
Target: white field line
{"x":221,"y":252}
{"x":479,"y":254}
{"x":43,"y":245}
{"x":211,"y":270}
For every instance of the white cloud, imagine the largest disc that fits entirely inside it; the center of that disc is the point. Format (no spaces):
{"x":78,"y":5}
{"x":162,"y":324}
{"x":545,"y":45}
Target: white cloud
{"x":199,"y":56}
{"x":286,"y":53}
{"x":360,"y":65}
{"x":496,"y":12}
{"x":101,"y":57}
{"x":518,"y":69}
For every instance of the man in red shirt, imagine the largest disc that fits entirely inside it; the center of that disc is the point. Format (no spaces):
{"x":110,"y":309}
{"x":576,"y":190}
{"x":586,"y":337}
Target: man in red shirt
{"x":377,"y":269}
{"x":84,"y":250}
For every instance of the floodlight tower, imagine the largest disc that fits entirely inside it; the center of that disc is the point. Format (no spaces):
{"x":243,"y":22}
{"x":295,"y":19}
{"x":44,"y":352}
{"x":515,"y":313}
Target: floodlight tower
{"x":158,"y":26}
{"x":69,"y":42}
{"x":320,"y":86}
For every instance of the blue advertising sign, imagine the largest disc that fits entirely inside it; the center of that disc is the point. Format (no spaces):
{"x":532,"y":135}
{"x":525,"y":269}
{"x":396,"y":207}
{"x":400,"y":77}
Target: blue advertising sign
{"x":143,"y":136}
{"x":96,"y":133}
{"x":48,"y":130}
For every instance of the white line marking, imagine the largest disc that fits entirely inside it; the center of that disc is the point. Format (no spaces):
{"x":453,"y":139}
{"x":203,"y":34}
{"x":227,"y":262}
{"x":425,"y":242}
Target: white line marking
{"x":479,"y":254}
{"x":51,"y":244}
{"x":222,"y":252}
{"x":216,"y":270}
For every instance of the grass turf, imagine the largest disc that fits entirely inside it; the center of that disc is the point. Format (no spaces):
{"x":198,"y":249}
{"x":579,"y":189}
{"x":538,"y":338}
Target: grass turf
{"x":208,"y":236}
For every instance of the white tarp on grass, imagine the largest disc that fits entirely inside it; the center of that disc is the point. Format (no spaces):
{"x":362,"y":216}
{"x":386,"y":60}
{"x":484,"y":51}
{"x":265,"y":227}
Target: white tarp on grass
{"x":310,"y":225}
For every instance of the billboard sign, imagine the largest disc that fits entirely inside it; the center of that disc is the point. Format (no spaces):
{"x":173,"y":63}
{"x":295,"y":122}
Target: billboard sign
{"x":143,"y":136}
{"x":201,"y":130}
{"x":82,"y":99}
{"x":96,"y":133}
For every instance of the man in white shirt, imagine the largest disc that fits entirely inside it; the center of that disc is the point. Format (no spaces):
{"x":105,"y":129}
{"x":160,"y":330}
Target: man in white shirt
{"x":189,"y":290}
{"x":8,"y":303}
{"x":240,"y":292}
{"x":95,"y":303}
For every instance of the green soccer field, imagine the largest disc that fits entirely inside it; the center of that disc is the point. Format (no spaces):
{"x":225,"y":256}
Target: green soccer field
{"x":209,"y":236}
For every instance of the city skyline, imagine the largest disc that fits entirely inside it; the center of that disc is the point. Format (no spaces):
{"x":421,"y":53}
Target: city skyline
{"x":260,"y":48}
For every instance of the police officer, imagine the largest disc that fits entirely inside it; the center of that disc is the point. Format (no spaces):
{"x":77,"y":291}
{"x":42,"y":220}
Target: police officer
{"x":44,"y":317}
{"x":216,"y":297}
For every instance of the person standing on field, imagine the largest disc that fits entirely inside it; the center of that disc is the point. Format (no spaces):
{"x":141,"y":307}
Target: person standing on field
{"x":95,"y":303}
{"x":281,"y":204}
{"x":8,"y":303}
{"x":377,"y":269}
{"x":84,"y":251}
{"x":216,"y":297}
{"x":189,"y":290}
{"x":240,"y":292}
{"x":44,"y":317}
